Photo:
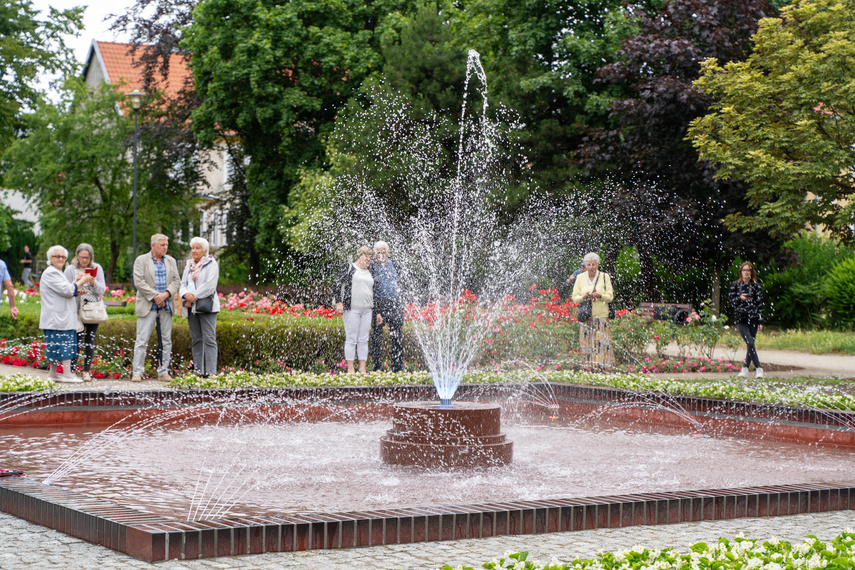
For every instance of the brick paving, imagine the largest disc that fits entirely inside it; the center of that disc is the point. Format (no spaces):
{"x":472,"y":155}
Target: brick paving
{"x":27,"y":545}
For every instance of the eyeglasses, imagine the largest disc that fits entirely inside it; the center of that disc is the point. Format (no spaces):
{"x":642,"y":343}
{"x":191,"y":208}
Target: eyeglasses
{"x":59,"y":256}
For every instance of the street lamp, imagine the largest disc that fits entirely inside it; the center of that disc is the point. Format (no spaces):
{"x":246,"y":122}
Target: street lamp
{"x":136,"y":98}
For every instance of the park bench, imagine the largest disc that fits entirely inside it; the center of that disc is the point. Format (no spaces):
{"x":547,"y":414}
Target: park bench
{"x":674,"y":312}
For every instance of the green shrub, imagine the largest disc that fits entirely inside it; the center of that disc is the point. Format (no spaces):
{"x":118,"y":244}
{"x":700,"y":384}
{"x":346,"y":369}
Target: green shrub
{"x":840,"y":294}
{"x":794,"y":296}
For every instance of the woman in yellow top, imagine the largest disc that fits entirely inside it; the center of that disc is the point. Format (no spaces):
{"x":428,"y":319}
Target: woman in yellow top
{"x":595,"y":335}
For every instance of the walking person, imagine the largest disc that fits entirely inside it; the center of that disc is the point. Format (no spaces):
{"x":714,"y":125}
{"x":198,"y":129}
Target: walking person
{"x":58,"y":318}
{"x":201,"y":305}
{"x":595,"y":335}
{"x":27,"y":262}
{"x":389,"y":306}
{"x":82,"y":264}
{"x":354,"y":300}
{"x":157,"y":280}
{"x":746,"y":298}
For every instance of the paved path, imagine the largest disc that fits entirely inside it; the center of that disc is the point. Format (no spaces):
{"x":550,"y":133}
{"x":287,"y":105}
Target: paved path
{"x":25,"y":545}
{"x":804,"y":364}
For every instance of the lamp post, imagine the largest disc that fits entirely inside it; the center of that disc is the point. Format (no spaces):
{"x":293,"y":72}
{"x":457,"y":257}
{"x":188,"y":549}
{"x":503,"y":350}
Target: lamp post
{"x":136,"y":98}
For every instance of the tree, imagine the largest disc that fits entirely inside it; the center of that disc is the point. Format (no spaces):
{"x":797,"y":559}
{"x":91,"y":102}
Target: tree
{"x":77,"y":166}
{"x":666,"y":201}
{"x":783,"y":121}
{"x":274,"y":75}
{"x":29,"y":47}
{"x":541,"y":59}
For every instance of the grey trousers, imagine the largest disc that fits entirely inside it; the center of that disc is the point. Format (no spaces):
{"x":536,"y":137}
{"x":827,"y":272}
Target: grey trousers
{"x":144,"y":327}
{"x":203,"y":331}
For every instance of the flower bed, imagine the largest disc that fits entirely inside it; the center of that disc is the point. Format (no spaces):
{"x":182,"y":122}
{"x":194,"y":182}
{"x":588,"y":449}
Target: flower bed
{"x":739,"y":553}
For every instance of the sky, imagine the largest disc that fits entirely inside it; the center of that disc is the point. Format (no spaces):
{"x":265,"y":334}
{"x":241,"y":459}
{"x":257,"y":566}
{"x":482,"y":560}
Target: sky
{"x":94,"y":26}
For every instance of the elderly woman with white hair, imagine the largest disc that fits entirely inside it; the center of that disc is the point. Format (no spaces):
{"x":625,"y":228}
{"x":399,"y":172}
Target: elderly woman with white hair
{"x":58,"y":317}
{"x":82,"y":264}
{"x":201,"y":305}
{"x":595,"y":334}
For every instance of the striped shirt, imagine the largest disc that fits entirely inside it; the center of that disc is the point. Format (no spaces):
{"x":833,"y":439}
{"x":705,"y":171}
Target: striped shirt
{"x":159,"y":280}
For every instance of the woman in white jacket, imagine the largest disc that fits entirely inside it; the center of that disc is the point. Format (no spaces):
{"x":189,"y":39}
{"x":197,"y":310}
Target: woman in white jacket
{"x":84,"y":259}
{"x":58,"y":317}
{"x":201,"y":305}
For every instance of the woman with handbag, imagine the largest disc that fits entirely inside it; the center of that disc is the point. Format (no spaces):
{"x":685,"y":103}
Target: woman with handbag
{"x":593,"y":292}
{"x":201,"y":305}
{"x":354,"y":292}
{"x":58,"y":318}
{"x":90,"y":304}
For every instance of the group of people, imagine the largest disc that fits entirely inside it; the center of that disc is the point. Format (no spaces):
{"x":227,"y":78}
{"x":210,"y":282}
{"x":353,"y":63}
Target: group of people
{"x":367,"y":293}
{"x":161,"y":293}
{"x":595,"y":337}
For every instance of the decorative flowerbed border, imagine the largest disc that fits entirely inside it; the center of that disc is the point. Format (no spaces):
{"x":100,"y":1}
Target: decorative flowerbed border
{"x":154,"y":538}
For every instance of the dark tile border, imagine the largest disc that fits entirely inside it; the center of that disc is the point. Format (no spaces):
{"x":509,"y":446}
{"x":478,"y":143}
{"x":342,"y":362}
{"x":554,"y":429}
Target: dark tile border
{"x":155,"y":538}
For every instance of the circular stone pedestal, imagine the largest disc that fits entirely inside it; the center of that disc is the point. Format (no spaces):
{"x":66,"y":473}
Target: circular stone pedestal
{"x":465,"y":434}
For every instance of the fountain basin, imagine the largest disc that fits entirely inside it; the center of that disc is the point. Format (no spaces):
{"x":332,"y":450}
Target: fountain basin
{"x":432,"y":435}
{"x":156,"y":537}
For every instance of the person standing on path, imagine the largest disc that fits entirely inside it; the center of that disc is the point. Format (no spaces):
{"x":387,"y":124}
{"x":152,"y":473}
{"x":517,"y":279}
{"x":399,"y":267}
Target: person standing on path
{"x":388,"y":305}
{"x":157,"y":281}
{"x":354,"y":299}
{"x":27,"y":262}
{"x":201,"y":304}
{"x":746,"y":298}
{"x":6,"y":279}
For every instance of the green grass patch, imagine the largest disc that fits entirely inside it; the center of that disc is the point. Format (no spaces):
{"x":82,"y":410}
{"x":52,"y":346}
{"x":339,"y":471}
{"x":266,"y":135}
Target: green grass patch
{"x":814,"y":342}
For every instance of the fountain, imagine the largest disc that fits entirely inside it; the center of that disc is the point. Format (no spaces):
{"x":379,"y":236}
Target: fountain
{"x":298,"y":476}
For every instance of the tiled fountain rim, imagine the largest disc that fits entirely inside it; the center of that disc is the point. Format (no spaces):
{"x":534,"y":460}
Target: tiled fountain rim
{"x":154,"y":538}
{"x":370,"y":394}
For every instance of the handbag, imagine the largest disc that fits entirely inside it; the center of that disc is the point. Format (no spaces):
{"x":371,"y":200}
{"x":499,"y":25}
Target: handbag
{"x":584,"y":314}
{"x":205,"y":305}
{"x":93,"y":312}
{"x":611,"y":310}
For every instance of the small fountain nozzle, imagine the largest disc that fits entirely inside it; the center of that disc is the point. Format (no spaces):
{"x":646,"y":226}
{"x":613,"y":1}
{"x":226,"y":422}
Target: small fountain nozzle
{"x":553,"y":411}
{"x":445,"y":402}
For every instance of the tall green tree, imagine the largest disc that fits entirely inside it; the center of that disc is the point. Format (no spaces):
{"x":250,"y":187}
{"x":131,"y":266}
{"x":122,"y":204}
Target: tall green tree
{"x":274,"y":74}
{"x":30,"y":45}
{"x":76,"y":164}
{"x":666,"y":202}
{"x":783,"y":121}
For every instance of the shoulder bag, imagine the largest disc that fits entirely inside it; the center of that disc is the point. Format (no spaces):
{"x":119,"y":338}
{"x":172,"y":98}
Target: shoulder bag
{"x":205,"y":305}
{"x":585,"y":307}
{"x":93,"y":312}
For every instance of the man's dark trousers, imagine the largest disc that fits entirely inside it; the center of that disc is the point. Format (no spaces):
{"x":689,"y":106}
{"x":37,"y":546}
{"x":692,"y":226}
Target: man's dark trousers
{"x":392,"y":311}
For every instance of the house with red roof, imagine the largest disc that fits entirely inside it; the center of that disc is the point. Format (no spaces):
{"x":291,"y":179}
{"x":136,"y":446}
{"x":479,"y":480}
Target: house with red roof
{"x":114,"y":63}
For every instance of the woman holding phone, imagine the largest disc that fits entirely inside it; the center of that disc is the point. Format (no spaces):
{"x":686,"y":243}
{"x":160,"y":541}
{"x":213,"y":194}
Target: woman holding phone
{"x":84,"y":263}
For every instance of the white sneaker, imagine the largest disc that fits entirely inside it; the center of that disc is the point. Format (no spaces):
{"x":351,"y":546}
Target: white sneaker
{"x":87,"y":377}
{"x":743,"y":373}
{"x":70,"y":379}
{"x":136,"y":378}
{"x":758,"y":373}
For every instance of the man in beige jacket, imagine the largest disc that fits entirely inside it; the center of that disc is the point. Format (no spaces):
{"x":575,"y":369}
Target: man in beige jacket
{"x":156,"y":279}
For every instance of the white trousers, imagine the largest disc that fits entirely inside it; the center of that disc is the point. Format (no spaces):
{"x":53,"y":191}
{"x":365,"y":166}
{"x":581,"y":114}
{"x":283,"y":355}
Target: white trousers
{"x":144,"y":327}
{"x":357,"y":327}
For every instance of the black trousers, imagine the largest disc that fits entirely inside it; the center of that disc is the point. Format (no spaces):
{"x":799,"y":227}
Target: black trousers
{"x":393,"y":315}
{"x":748,"y":332}
{"x":87,"y":339}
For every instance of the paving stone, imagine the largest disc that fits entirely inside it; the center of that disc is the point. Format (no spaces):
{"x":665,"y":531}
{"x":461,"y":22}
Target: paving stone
{"x":25,"y":545}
